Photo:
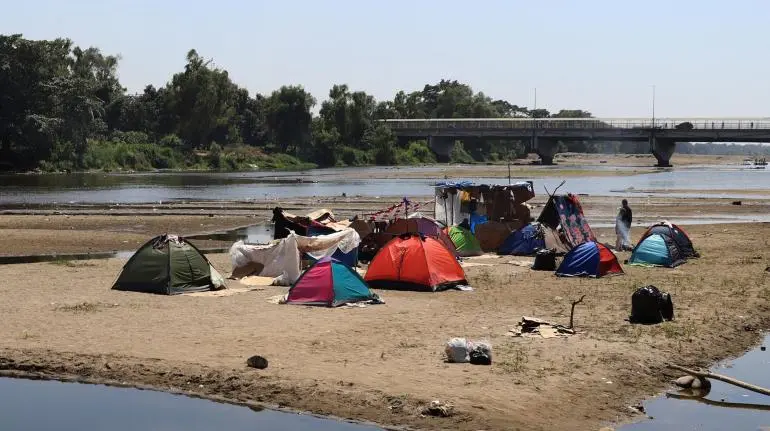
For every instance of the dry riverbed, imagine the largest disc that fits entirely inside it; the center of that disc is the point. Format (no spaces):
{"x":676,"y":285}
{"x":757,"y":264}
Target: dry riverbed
{"x":383,"y":363}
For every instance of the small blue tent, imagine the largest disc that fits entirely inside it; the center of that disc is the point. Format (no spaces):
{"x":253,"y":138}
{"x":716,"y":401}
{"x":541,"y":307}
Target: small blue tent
{"x":524,"y":241}
{"x":657,"y":250}
{"x":589,"y":259}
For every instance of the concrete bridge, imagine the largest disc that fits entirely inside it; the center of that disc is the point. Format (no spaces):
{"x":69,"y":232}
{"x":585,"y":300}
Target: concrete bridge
{"x":543,"y":135}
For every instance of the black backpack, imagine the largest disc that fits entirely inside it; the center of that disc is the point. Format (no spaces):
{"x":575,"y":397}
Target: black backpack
{"x":649,"y":305}
{"x":545,"y":260}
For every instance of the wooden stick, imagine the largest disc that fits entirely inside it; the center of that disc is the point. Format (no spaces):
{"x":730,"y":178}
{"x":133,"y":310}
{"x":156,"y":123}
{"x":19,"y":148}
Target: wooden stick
{"x":730,"y":380}
{"x":572,"y":312}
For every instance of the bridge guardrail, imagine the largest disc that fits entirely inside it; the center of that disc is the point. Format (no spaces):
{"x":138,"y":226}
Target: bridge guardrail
{"x":584,"y":123}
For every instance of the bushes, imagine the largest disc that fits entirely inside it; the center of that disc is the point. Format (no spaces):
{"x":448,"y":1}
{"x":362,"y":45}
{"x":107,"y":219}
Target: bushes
{"x":354,"y":157}
{"x":459,"y":155}
{"x":111,"y":155}
{"x":417,"y":153}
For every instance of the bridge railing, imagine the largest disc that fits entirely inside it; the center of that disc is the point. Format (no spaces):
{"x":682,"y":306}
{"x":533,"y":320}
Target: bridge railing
{"x":582,"y":123}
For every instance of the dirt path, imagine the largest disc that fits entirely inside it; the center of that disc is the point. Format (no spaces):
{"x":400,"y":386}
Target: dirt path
{"x":382,"y":363}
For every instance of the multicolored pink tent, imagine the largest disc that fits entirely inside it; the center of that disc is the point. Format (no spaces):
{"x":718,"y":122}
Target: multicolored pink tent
{"x":331,"y":283}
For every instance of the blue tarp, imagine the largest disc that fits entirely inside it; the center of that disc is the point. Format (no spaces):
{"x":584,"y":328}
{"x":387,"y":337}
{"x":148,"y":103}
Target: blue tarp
{"x":522,"y":242}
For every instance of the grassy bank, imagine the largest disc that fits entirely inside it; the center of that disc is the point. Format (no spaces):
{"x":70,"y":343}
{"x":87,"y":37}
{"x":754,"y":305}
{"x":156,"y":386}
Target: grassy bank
{"x":112,"y":156}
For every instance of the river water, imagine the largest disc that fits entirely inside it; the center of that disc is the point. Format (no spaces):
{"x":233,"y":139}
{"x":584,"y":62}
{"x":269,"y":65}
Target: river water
{"x":30,"y":405}
{"x":726,"y":407}
{"x":96,"y":188}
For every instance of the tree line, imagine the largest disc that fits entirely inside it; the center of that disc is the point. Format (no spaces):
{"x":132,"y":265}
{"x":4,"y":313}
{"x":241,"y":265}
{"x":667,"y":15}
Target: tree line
{"x":62,"y":107}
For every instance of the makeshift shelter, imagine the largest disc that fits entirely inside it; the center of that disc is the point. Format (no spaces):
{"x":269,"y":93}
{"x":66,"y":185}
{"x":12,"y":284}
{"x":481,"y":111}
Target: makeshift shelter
{"x":564,"y":214}
{"x":477,"y":203}
{"x":331,"y":283}
{"x":491,"y":235}
{"x":413,"y":262}
{"x":589,"y":259}
{"x":465,"y":243}
{"x":524,"y":242}
{"x":531,"y":238}
{"x":281,"y":259}
{"x":677,"y":234}
{"x":168,"y":265}
{"x":319,"y":222}
{"x":657,"y":250}
{"x":418,"y":225}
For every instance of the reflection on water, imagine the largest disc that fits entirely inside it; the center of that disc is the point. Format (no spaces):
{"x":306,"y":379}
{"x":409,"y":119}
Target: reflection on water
{"x":726,"y":407}
{"x":154,"y":187}
{"x":45,"y":405}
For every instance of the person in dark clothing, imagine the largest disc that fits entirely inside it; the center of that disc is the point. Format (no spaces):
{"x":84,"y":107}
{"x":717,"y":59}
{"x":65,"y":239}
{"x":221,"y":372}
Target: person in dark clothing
{"x":623,"y":226}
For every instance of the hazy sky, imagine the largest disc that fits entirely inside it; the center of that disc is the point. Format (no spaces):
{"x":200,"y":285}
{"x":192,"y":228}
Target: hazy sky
{"x":706,"y":58}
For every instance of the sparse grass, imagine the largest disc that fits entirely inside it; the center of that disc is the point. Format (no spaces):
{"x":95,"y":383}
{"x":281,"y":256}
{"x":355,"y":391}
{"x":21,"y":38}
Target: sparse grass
{"x":84,"y":307}
{"x":409,"y":345}
{"x":514,"y":360}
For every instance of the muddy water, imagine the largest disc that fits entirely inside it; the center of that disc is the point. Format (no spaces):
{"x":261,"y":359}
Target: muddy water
{"x":27,"y":405}
{"x":726,"y":407}
{"x":154,"y":187}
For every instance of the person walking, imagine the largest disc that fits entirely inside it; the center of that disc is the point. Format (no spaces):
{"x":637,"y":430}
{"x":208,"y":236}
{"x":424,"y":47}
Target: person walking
{"x":623,"y":227}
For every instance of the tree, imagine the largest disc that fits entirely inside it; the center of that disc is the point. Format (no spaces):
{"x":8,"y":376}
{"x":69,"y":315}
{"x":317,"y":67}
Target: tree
{"x":288,"y":116}
{"x":202,"y":100}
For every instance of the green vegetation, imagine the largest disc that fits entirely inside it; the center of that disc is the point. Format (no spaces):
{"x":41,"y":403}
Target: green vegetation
{"x":63,"y":108}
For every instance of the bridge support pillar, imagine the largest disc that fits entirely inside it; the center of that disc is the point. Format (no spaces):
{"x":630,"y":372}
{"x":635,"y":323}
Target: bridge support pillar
{"x":442,"y":146}
{"x":545,"y":148}
{"x":662,"y":149}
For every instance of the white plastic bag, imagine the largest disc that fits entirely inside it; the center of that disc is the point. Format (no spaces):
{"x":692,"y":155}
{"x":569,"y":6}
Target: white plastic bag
{"x":457,"y":350}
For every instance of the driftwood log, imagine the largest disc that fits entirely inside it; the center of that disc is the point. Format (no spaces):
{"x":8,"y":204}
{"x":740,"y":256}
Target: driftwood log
{"x":572,"y":311}
{"x":730,"y":380}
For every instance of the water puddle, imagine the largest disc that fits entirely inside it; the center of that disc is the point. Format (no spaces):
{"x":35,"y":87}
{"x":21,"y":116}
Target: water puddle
{"x":32,"y":405}
{"x":58,"y":257}
{"x":725,"y":407}
{"x":261,"y":233}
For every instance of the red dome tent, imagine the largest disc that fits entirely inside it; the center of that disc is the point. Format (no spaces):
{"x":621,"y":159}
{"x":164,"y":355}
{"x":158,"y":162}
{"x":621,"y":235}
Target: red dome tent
{"x":422,"y":226}
{"x":414,"y":263}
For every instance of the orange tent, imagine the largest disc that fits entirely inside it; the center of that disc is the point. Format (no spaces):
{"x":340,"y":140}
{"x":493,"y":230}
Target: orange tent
{"x":422,"y":226}
{"x":414,"y":263}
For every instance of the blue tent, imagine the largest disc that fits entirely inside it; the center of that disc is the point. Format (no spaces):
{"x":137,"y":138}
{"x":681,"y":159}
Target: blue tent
{"x":657,"y":250}
{"x":331,"y":283}
{"x":524,"y":241}
{"x":589,"y":259}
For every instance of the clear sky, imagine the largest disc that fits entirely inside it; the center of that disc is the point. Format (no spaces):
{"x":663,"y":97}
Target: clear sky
{"x":705,"y":58}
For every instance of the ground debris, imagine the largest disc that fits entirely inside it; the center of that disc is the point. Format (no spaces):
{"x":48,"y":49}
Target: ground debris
{"x":534,"y":327}
{"x":438,"y":409}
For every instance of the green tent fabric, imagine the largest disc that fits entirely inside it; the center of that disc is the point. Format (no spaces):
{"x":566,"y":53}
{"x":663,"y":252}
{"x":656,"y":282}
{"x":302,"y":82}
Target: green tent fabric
{"x":168,"y":265}
{"x":465,"y":243}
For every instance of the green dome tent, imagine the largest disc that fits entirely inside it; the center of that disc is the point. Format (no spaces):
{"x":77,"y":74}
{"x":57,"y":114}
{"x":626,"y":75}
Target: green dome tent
{"x":168,"y":265}
{"x":465,"y":243}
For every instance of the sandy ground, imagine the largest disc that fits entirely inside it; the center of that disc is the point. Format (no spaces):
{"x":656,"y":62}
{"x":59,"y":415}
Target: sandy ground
{"x":384,"y":363}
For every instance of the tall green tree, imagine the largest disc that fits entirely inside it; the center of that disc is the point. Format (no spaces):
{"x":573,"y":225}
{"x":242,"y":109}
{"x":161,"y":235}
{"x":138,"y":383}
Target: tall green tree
{"x":289,"y":119}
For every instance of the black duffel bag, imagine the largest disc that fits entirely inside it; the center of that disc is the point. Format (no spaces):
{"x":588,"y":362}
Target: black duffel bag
{"x":649,"y":305}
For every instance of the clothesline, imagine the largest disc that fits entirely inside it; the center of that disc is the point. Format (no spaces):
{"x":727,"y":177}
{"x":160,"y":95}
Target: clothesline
{"x":393,"y":210}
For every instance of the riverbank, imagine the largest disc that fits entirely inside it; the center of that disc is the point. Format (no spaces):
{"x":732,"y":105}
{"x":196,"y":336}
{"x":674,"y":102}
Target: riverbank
{"x":382,"y":363}
{"x":79,"y":228}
